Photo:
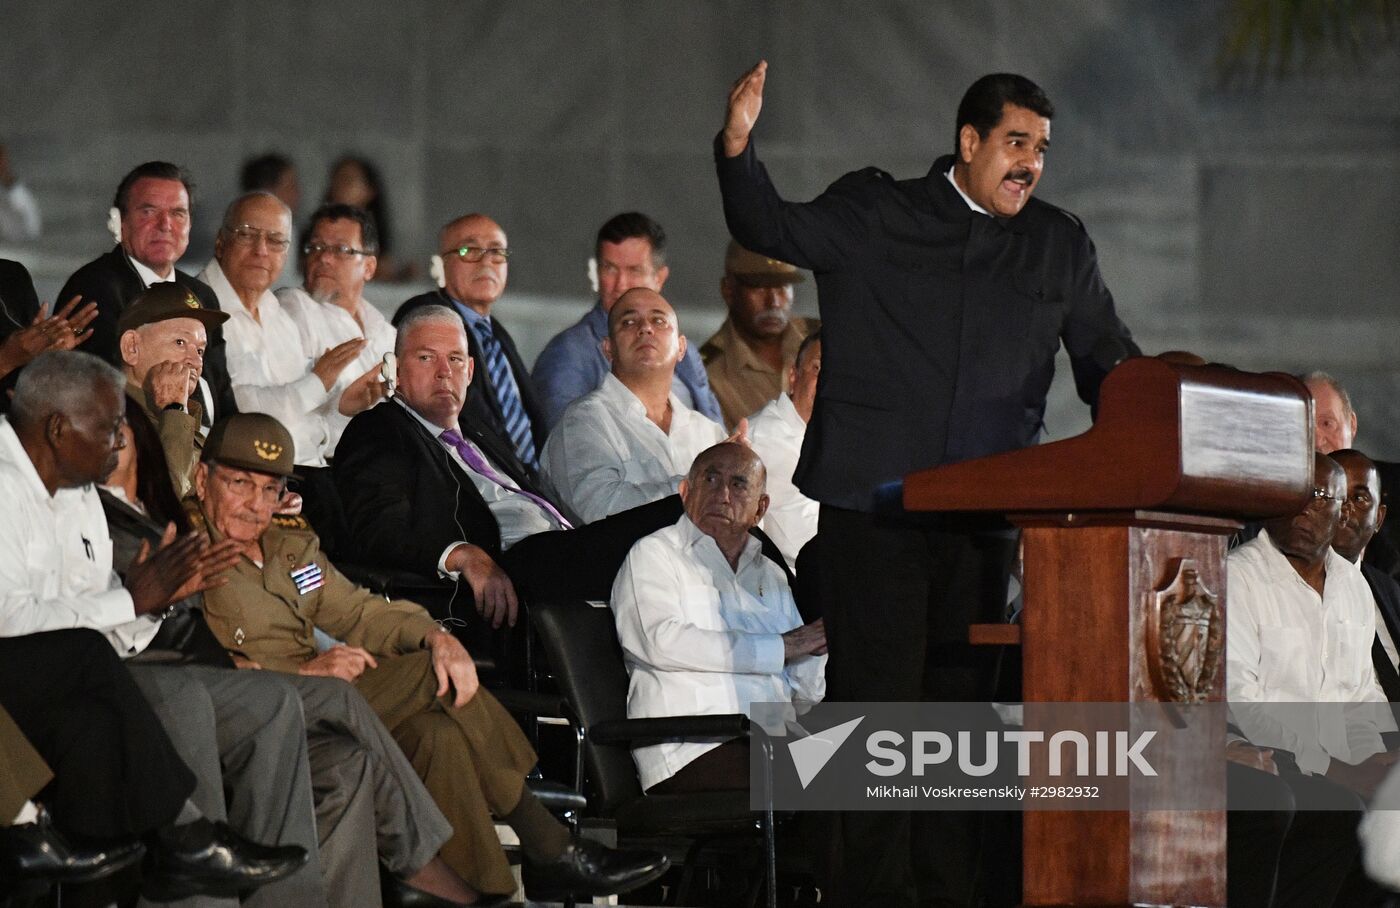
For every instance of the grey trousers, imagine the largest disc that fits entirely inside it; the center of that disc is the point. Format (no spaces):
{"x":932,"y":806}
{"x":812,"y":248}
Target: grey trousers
{"x":371,"y":807}
{"x":242,"y":734}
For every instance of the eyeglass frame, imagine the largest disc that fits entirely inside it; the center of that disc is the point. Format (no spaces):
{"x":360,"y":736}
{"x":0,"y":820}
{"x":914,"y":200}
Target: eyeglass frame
{"x":336,"y":250}
{"x":250,"y":236}
{"x":499,"y":255}
{"x":1323,"y":495}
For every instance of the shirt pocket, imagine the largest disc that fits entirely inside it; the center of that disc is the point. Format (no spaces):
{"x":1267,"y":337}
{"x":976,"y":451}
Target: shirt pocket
{"x":1351,"y":656}
{"x":1284,"y":659}
{"x":702,"y":606}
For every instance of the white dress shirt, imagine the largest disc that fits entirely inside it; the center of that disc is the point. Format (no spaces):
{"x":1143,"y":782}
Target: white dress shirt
{"x":270,"y":369}
{"x":1285,"y":644}
{"x":701,"y":638}
{"x":56,"y":559}
{"x":775,"y":434}
{"x":605,"y":456}
{"x":326,"y":325}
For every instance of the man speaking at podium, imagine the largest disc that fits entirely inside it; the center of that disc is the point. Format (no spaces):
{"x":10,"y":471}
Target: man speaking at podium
{"x":943,"y":300}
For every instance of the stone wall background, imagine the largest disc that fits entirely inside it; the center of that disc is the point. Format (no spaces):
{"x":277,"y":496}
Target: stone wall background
{"x":1252,"y":221}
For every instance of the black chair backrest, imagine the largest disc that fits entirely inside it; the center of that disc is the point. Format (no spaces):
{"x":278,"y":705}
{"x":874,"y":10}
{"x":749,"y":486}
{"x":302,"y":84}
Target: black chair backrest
{"x":580,"y":642}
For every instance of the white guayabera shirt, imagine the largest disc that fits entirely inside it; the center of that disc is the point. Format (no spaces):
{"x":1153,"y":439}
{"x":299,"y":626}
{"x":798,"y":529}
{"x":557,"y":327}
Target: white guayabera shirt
{"x":605,"y":456}
{"x":775,"y":434}
{"x":701,"y":638}
{"x":56,"y":559}
{"x":1285,"y":644}
{"x":270,"y":369}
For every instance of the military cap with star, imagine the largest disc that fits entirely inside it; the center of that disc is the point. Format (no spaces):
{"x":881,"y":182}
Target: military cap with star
{"x":161,"y":302}
{"x":251,"y":441}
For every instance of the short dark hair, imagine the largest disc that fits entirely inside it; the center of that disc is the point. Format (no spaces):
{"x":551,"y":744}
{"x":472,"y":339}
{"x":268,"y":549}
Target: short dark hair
{"x":337,"y":211}
{"x":264,"y":171}
{"x":813,"y":337}
{"x":983,"y":103}
{"x":159,"y":170}
{"x":631,"y":224}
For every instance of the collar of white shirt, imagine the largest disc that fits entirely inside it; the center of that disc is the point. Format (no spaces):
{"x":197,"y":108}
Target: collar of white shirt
{"x":622,"y":398}
{"x":230,"y":301}
{"x":693,"y":538}
{"x":965,"y":197}
{"x":147,"y":275}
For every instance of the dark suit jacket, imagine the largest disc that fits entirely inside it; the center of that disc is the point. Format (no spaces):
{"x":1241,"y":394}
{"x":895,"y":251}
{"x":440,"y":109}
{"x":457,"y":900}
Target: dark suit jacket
{"x":17,"y":296}
{"x":483,"y":408}
{"x":20,"y":304}
{"x":939,"y":326}
{"x":405,"y":498}
{"x":110,"y":281}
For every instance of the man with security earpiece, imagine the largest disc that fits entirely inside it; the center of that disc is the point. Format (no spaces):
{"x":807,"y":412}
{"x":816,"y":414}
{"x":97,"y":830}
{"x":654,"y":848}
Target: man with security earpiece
{"x":471,"y":271}
{"x":151,"y":217}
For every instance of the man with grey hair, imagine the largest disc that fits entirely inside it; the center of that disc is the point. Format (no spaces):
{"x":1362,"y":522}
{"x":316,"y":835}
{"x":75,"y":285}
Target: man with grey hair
{"x":1334,"y":420}
{"x":267,"y":361}
{"x":705,"y":620}
{"x":427,"y":490}
{"x":234,"y":731}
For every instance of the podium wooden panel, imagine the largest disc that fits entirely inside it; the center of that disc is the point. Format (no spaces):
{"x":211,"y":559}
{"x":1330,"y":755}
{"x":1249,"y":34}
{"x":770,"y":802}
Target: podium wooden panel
{"x":1124,"y":536}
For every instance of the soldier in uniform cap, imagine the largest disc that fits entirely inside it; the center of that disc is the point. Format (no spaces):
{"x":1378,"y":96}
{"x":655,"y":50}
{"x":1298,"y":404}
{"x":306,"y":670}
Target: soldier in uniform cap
{"x":162,"y":338}
{"x":749,"y":356}
{"x":417,"y":676}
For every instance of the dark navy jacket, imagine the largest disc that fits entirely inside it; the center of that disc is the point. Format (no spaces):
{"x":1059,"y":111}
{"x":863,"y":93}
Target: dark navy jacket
{"x":939,"y":325}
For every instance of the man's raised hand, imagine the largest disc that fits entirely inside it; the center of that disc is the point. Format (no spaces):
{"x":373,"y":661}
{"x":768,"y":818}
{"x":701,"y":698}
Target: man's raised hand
{"x":745,"y":101}
{"x":179,"y":567}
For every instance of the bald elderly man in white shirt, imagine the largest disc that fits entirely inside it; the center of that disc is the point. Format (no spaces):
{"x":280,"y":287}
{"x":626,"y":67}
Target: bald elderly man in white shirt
{"x":708,"y":624}
{"x":269,"y":367}
{"x":630,"y":441}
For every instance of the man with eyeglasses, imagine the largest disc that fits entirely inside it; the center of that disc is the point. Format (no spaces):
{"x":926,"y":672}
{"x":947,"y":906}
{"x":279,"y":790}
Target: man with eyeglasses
{"x":474,"y":265}
{"x":272,"y":371}
{"x":154,"y":202}
{"x":329,"y":309}
{"x":1299,"y":638}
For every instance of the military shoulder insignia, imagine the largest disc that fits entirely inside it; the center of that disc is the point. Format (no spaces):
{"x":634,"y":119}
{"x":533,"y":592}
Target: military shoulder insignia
{"x":290,"y":522}
{"x":308,"y":578}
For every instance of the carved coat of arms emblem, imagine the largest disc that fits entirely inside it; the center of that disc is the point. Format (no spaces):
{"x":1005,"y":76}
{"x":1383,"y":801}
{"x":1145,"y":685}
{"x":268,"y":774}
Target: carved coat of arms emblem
{"x":1185,"y":637}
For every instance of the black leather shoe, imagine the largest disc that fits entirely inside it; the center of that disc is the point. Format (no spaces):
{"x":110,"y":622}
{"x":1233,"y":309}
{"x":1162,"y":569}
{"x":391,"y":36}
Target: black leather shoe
{"x":588,"y":868}
{"x":38,"y":852}
{"x":209,"y":858}
{"x":395,"y":893}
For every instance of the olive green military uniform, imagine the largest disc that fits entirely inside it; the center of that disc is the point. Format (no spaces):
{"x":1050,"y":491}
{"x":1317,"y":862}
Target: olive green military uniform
{"x":473,"y":760}
{"x":180,"y":437}
{"x":22,"y":771}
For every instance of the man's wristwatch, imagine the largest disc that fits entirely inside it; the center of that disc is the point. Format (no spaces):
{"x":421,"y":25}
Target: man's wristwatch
{"x":175,"y":405}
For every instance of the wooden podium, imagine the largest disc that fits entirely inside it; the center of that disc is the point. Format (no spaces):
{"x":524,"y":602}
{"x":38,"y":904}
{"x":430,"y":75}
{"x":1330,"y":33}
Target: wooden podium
{"x":1124,"y":531}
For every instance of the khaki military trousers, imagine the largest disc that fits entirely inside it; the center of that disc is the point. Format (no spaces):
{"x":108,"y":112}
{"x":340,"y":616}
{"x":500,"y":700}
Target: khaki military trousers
{"x":472,"y":760}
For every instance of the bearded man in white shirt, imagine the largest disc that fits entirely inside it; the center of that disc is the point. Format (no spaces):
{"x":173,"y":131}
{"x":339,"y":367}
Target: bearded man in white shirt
{"x":271,"y":370}
{"x":1298,"y":650}
{"x":775,"y":434}
{"x":707,"y":623}
{"x":330,"y":309}
{"x":630,"y":441}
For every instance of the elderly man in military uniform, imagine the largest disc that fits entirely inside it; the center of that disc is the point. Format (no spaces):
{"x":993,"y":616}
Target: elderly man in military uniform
{"x":163,"y":336}
{"x":417,"y":676}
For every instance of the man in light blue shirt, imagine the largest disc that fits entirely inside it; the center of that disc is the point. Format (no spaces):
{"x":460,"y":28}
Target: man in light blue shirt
{"x":630,"y":252}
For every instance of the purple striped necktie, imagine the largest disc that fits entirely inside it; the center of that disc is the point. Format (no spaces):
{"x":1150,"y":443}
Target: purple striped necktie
{"x":474,"y":459}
